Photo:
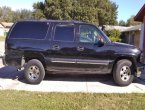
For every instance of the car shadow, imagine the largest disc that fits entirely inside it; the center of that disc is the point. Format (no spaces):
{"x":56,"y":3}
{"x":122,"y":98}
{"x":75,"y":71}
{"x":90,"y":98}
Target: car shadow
{"x":9,"y":72}
{"x":141,"y":79}
{"x":106,"y":79}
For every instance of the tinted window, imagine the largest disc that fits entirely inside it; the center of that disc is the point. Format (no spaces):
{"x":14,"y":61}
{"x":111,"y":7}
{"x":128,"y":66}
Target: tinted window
{"x":64,"y":33}
{"x":89,"y":34}
{"x":28,"y":30}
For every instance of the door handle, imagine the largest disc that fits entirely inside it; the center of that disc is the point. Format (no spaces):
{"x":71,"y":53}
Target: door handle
{"x":55,"y":47}
{"x":80,"y":48}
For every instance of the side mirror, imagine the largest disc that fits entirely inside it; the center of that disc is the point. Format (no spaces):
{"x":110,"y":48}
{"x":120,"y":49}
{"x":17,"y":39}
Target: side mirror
{"x":100,"y":43}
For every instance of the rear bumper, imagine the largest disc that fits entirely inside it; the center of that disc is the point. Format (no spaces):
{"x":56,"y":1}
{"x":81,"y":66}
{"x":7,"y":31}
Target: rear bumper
{"x":139,"y":69}
{"x":3,"y":59}
{"x":11,"y":61}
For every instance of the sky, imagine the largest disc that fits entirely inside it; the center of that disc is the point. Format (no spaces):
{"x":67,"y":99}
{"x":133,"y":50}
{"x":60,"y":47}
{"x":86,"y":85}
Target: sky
{"x":19,"y":4}
{"x":126,"y":8}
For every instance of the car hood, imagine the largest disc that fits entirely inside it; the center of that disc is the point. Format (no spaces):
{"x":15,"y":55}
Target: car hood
{"x":125,"y":48}
{"x":123,"y":45}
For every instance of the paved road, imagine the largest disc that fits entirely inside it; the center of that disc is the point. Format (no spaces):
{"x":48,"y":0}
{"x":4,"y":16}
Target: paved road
{"x":10,"y":79}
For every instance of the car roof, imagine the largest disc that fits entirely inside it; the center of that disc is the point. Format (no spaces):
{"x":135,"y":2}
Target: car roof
{"x":53,"y":21}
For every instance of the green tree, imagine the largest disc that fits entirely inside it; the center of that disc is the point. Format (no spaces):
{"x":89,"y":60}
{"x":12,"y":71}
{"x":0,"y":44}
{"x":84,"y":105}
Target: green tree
{"x":21,"y":15}
{"x":107,"y":14}
{"x":58,"y":9}
{"x":122,"y":23}
{"x":38,"y":12}
{"x":6,"y":14}
{"x":85,"y":10}
{"x":131,"y":22}
{"x":114,"y":35}
{"x":92,"y":11}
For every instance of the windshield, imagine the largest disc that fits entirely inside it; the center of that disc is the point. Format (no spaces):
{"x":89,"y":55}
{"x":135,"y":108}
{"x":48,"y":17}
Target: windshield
{"x":104,"y":35}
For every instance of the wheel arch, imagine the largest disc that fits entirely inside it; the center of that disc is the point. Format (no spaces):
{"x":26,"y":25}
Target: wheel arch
{"x":125,"y":58}
{"x":34,"y":55}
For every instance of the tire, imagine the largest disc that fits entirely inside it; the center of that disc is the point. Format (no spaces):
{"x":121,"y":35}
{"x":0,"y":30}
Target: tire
{"x":34,"y":72}
{"x":123,"y":73}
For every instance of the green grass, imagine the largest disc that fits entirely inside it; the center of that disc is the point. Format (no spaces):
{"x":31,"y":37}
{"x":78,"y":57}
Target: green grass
{"x":20,"y":100}
{"x":2,"y":38}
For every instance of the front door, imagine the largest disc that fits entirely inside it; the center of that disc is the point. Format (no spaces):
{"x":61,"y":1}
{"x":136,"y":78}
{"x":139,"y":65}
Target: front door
{"x":91,"y":56}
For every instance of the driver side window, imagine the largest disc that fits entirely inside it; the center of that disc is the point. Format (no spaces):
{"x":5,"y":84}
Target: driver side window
{"x":88,"y":34}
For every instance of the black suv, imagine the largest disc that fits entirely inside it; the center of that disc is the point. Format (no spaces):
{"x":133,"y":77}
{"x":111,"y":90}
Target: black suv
{"x":69,"y":47}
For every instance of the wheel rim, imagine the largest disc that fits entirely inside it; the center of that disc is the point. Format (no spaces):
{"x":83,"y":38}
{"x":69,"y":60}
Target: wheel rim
{"x":125,"y":73}
{"x":33,"y":72}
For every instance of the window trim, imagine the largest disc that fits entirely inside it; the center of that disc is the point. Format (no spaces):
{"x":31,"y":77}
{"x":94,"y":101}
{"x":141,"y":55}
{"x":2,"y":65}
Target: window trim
{"x":65,"y":26}
{"x":80,"y":34}
{"x":48,"y":26}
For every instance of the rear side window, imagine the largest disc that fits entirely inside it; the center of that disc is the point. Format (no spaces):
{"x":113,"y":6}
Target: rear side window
{"x":29,"y":30}
{"x":64,"y":33}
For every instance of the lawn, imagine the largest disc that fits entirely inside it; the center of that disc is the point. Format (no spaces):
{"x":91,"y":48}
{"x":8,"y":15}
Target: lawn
{"x":20,"y":100}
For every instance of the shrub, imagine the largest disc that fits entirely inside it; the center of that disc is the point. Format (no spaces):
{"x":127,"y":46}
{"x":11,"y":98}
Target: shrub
{"x":114,"y":35}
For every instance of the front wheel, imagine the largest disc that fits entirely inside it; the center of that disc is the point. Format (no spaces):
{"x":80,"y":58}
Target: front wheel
{"x":123,"y":73}
{"x":34,"y":72}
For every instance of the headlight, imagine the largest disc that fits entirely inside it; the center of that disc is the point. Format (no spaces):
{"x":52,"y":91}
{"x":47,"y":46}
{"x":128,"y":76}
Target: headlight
{"x":141,"y":58}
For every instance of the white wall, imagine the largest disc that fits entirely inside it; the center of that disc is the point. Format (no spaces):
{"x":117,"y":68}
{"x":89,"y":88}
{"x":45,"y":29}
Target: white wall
{"x":1,"y":31}
{"x":142,"y":36}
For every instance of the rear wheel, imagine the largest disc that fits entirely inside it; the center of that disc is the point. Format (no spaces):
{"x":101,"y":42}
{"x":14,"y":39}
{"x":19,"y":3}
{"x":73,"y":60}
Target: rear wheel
{"x":34,"y":72}
{"x":123,"y":73}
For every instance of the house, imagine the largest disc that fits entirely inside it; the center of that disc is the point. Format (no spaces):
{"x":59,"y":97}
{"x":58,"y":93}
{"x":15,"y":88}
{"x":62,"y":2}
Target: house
{"x":4,"y":28}
{"x":1,"y":30}
{"x":129,"y":35}
{"x":141,"y":18}
{"x":120,"y":28}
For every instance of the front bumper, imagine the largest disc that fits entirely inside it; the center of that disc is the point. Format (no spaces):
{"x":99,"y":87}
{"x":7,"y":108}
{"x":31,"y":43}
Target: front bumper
{"x":139,"y":69}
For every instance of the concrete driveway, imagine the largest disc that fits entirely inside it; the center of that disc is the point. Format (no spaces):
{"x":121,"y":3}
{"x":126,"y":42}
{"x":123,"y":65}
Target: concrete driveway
{"x":10,"y":79}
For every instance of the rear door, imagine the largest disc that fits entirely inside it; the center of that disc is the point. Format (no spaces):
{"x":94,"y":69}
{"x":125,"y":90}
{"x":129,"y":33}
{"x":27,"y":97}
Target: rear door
{"x":63,"y":47}
{"x":25,"y":38}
